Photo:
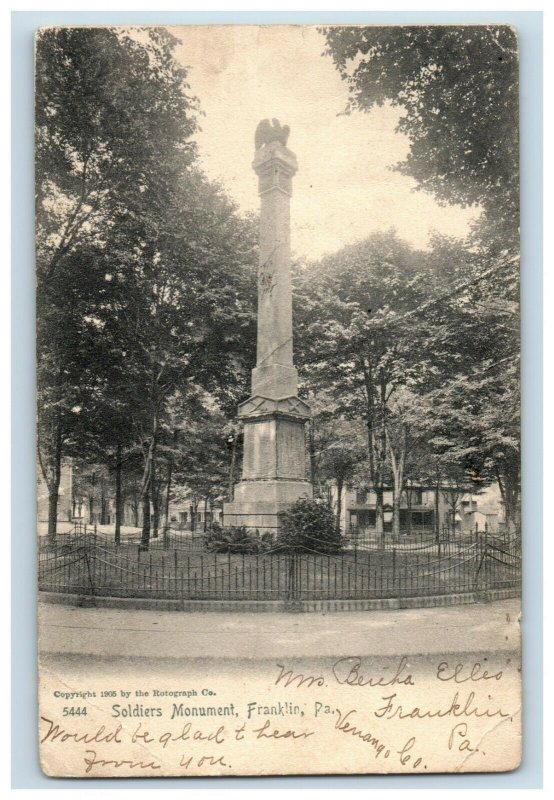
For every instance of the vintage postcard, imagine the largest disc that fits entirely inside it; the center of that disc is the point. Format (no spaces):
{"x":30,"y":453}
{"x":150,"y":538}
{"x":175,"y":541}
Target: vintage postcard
{"x":278,"y":446}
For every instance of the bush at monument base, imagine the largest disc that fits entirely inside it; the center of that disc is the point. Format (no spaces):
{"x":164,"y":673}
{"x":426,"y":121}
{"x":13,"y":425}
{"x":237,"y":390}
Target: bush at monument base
{"x":236,"y":539}
{"x":309,"y":526}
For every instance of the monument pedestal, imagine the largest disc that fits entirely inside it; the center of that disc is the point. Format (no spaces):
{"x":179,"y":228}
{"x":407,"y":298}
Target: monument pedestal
{"x":274,"y":460}
{"x":263,"y":515}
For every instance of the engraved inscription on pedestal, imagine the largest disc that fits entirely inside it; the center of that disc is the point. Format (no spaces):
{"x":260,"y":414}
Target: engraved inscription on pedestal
{"x":291,"y":450}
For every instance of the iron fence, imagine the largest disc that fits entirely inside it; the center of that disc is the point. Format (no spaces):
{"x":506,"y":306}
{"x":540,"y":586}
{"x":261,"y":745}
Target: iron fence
{"x":354,"y":539}
{"x":90,"y":564}
{"x":410,"y":538}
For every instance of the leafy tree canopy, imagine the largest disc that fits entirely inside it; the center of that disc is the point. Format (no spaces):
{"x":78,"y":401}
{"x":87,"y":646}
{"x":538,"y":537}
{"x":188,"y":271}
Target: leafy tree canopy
{"x":457,"y":91}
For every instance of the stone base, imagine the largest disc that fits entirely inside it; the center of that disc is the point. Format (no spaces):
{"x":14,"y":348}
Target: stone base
{"x":257,"y":504}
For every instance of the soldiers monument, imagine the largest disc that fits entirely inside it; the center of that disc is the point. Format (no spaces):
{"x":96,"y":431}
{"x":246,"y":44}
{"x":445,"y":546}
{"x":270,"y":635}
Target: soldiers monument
{"x":274,"y":417}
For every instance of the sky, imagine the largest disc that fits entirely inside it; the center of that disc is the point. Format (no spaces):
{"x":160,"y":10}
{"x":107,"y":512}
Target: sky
{"x":344,"y":189}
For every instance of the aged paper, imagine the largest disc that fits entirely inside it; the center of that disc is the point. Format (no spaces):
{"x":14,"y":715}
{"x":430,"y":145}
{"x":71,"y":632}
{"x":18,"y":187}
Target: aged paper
{"x":278,"y":400}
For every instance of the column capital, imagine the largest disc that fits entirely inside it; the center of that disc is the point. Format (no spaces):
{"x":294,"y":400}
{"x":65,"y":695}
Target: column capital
{"x":275,"y":166}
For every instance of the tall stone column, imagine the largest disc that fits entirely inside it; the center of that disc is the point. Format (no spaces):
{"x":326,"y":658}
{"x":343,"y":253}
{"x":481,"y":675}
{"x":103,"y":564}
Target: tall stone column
{"x":274,"y":460}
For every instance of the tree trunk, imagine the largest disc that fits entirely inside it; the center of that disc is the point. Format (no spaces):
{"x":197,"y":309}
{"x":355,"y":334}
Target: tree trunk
{"x":145,"y":537}
{"x":168,"y":492}
{"x":205,"y":514}
{"x":437,"y":507}
{"x":379,"y":515}
{"x":135,"y":508}
{"x":91,"y":498}
{"x":397,"y":495}
{"x":502,"y":490}
{"x":339,"y":504}
{"x":375,"y":447}
{"x":146,"y":488}
{"x":52,"y":476}
{"x":396,"y":512}
{"x":52,"y":514}
{"x":508,"y":482}
{"x":511,"y":503}
{"x":155,"y":494}
{"x":409,"y":498}
{"x":73,"y":499}
{"x":397,"y":458}
{"x":118,"y":503}
{"x":102,"y":501}
{"x":453,"y":509}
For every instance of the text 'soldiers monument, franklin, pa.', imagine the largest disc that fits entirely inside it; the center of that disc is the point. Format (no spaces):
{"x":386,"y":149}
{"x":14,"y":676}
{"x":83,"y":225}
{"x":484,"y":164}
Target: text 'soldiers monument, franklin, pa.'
{"x":274,"y":460}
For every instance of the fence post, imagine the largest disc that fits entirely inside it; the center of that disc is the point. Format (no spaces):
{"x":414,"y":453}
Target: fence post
{"x":478,"y":559}
{"x":394,"y":587}
{"x":90,"y":574}
{"x":292,"y":589}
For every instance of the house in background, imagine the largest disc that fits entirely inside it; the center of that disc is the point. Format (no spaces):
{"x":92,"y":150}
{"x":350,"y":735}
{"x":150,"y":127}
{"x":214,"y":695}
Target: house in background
{"x":484,"y":512}
{"x":74,"y":506}
{"x":358,"y":509}
{"x":463,"y":512}
{"x":187,"y":517}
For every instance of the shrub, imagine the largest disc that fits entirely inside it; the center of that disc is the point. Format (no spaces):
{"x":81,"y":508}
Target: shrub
{"x":310,"y":526}
{"x":233,"y":540}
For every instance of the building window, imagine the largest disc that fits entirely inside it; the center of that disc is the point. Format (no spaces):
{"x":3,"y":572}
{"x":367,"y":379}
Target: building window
{"x":182,"y":517}
{"x":361,"y":496}
{"x":362,"y":519}
{"x":415,"y":496}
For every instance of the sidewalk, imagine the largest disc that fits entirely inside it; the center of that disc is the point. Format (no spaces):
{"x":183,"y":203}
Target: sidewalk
{"x":114,"y":633}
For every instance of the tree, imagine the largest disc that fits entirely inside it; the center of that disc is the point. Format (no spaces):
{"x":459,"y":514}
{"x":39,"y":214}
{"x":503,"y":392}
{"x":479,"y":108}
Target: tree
{"x":472,"y":385}
{"x":192,"y":313}
{"x":347,"y":309}
{"x":202,"y":471}
{"x":112,"y":116}
{"x":455,"y":486}
{"x":456,"y":88}
{"x":341,"y":457}
{"x":167,"y":300}
{"x":66,"y":383}
{"x":403,"y":434}
{"x":461,"y":122}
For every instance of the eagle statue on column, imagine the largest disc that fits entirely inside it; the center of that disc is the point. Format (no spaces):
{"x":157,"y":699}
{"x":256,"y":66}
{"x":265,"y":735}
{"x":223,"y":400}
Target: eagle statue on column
{"x":268,"y":132}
